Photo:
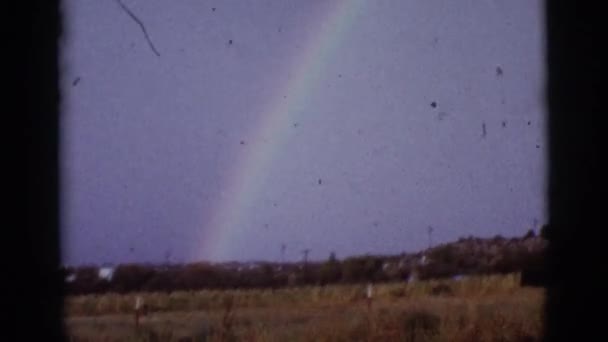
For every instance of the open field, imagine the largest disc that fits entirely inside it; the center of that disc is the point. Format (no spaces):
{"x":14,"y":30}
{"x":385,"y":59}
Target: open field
{"x":488,"y":308}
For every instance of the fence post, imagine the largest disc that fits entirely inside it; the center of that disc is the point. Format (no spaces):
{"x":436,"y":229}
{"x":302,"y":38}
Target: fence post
{"x":138,"y":307}
{"x":369,"y":293}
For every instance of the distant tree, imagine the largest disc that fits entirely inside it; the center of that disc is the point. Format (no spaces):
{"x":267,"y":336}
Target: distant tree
{"x":160,"y":282}
{"x":466,"y":262}
{"x":199,"y":276}
{"x":352,"y":270}
{"x":330,"y":271}
{"x":373,"y":269}
{"x":438,"y":270}
{"x":365,"y":268}
{"x":445,"y":254}
{"x":332,"y":257}
{"x":530,"y":234}
{"x":393,"y":271}
{"x":131,"y":277}
{"x":498,"y":238}
{"x":87,"y":281}
{"x":266,"y":276}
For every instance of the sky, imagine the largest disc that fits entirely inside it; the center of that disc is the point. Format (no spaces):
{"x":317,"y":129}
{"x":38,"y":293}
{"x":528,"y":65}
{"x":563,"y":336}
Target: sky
{"x":230,"y":128}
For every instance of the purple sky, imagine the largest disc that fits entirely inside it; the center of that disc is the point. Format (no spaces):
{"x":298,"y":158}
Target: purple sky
{"x":148,"y":141}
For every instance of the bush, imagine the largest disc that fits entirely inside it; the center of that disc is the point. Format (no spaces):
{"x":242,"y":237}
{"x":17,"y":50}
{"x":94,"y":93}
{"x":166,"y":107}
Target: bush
{"x":530,"y":234}
{"x":441,"y":290}
{"x":358,"y":329}
{"x":359,"y":269}
{"x":438,"y":270}
{"x":130,"y":278}
{"x":419,"y":325}
{"x":87,"y":281}
{"x":330,"y":271}
{"x":398,"y":292}
{"x":444,"y":254}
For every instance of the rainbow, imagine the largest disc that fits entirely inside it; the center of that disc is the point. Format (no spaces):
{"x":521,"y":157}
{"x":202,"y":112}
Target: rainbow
{"x":244,"y":180}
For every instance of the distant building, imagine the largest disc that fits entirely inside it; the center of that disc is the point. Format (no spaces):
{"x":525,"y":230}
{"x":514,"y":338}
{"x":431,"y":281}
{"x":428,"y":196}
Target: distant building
{"x":253,"y":266}
{"x":458,"y":277}
{"x":106,"y":273}
{"x":386,"y":266}
{"x":423,"y":260}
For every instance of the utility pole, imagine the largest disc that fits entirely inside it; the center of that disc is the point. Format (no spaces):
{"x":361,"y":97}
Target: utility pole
{"x":283,"y":248}
{"x":305,"y":252}
{"x":430,"y":232}
{"x":305,"y":275}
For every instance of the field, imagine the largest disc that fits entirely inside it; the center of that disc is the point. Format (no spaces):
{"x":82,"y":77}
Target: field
{"x":484,"y":308}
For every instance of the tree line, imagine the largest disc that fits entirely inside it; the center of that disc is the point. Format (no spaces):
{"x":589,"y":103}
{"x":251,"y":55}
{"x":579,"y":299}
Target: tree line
{"x":443,"y":261}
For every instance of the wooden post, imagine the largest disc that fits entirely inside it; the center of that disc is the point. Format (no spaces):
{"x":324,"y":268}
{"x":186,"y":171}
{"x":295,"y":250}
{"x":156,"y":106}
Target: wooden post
{"x":138,"y":307}
{"x":369,"y":293}
{"x":369,"y":296}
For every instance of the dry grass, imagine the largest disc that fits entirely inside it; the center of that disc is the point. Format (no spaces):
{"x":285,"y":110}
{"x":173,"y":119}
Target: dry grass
{"x":490,"y":308}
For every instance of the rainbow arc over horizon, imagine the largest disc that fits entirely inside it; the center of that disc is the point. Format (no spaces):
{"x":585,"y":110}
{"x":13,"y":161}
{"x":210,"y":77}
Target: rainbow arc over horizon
{"x":244,"y":180}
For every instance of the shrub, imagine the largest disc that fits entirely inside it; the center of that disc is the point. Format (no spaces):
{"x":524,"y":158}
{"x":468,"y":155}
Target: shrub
{"x":441,"y":290}
{"x":398,"y":292}
{"x":419,"y":325}
{"x":131,"y":277}
{"x":530,"y":234}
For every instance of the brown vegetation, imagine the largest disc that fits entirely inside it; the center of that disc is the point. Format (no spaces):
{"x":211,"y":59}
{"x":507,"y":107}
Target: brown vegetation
{"x":480,"y":308}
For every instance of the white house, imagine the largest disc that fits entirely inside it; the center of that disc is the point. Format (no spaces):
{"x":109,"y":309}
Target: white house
{"x":106,"y":273}
{"x":386,"y":266}
{"x":423,"y":260}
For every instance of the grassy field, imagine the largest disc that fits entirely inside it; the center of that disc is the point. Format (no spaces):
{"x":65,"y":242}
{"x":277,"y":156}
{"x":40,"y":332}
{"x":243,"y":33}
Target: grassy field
{"x":490,"y":308}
